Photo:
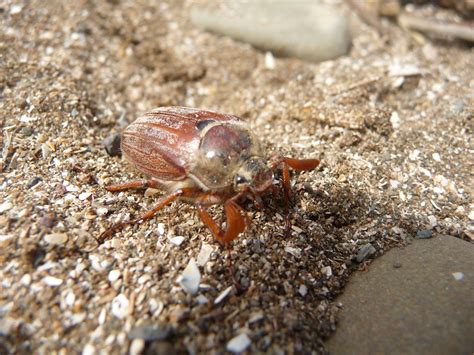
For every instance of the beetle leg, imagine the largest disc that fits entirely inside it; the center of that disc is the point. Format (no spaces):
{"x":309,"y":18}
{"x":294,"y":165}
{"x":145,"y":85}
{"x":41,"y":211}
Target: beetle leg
{"x":133,"y":185}
{"x":235,"y":221}
{"x":301,"y":164}
{"x":234,"y":226}
{"x":287,"y":195}
{"x":149,"y":214}
{"x":298,"y":165}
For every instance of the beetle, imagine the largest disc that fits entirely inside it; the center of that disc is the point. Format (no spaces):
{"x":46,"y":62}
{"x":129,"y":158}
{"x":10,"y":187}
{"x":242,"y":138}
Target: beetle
{"x":204,"y":158}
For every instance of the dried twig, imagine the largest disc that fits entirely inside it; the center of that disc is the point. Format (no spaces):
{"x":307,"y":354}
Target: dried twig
{"x":442,"y":29}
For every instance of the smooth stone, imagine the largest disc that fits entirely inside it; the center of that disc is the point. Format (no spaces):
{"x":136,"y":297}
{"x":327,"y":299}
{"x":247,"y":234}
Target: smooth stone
{"x":238,"y":344}
{"x":56,"y":238}
{"x":424,"y":234}
{"x":120,"y":306}
{"x":190,"y":278}
{"x":151,"y":332}
{"x":6,"y":239}
{"x":112,"y":145}
{"x":289,"y":28}
{"x":364,"y":252}
{"x":417,"y":309}
{"x":137,"y":346}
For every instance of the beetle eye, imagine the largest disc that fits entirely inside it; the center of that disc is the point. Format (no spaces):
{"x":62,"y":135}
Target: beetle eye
{"x":239,"y":180}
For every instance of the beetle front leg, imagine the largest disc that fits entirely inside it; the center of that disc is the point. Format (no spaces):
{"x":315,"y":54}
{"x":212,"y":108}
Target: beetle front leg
{"x":133,"y":185}
{"x":298,"y":165}
{"x":235,"y":222}
{"x":149,"y":214}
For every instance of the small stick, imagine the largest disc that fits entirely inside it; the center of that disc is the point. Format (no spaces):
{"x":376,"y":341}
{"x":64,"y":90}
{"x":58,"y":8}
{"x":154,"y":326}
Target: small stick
{"x":461,"y":30}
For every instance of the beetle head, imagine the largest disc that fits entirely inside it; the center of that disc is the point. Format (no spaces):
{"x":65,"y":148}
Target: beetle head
{"x":253,"y":174}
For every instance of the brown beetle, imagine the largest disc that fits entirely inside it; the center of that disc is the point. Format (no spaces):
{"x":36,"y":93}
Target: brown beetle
{"x":205,"y":158}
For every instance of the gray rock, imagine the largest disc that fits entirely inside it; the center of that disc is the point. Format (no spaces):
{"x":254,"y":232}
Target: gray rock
{"x":112,"y":145}
{"x":151,"y":332}
{"x":364,"y":252}
{"x":300,"y":29}
{"x":418,"y":309}
{"x":424,"y":234}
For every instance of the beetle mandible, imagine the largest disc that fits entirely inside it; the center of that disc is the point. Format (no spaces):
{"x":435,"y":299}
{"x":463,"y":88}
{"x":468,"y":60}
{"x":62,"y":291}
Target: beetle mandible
{"x":205,"y":158}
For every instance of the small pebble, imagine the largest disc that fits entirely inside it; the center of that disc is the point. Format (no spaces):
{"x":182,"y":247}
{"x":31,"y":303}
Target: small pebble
{"x":190,"y":278}
{"x":433,"y":221}
{"x":458,"y":276}
{"x":438,"y":190}
{"x":21,"y":103}
{"x":114,"y":275}
{"x":239,"y":343}
{"x":8,"y":325}
{"x":178,"y":240}
{"x":84,"y":195}
{"x":71,"y":188}
{"x":45,"y":151}
{"x":204,"y":254}
{"x":101,"y":211}
{"x":25,"y":118}
{"x":33,"y":182}
{"x":256,"y":317}
{"x":102,"y":316}
{"x":7,"y":205}
{"x":303,"y":290}
{"x":137,"y":346}
{"x":26,"y":280}
{"x":120,"y":306}
{"x":327,"y":271}
{"x":471,"y":215}
{"x":6,"y":239}
{"x":424,"y":234}
{"x":151,"y":332}
{"x":178,"y":315}
{"x":414,"y":154}
{"x":269,"y":61}
{"x":56,"y":238}
{"x":70,"y":299}
{"x":297,"y":229}
{"x":397,"y":264}
{"x":223,"y":295}
{"x":201,"y":299}
{"x":296,"y":252}
{"x":112,"y":145}
{"x":143,"y":279}
{"x":441,"y":180}
{"x":364,"y":252}
{"x":16,"y":9}
{"x":395,"y":120}
{"x":394,"y":184}
{"x":89,"y":349}
{"x":150,"y":192}
{"x":161,"y":229}
{"x":52,"y":281}
{"x":156,"y":306}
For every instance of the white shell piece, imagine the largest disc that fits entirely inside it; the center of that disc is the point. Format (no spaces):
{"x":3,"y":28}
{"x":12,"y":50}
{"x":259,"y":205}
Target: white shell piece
{"x":190,"y":278}
{"x":239,"y":343}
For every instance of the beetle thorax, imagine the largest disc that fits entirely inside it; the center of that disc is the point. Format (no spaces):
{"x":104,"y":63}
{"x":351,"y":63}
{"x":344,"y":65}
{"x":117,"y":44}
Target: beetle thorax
{"x":225,"y":152}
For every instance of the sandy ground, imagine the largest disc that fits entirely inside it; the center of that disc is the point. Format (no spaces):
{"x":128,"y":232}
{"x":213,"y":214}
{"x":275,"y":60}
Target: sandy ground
{"x":391,"y":123}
